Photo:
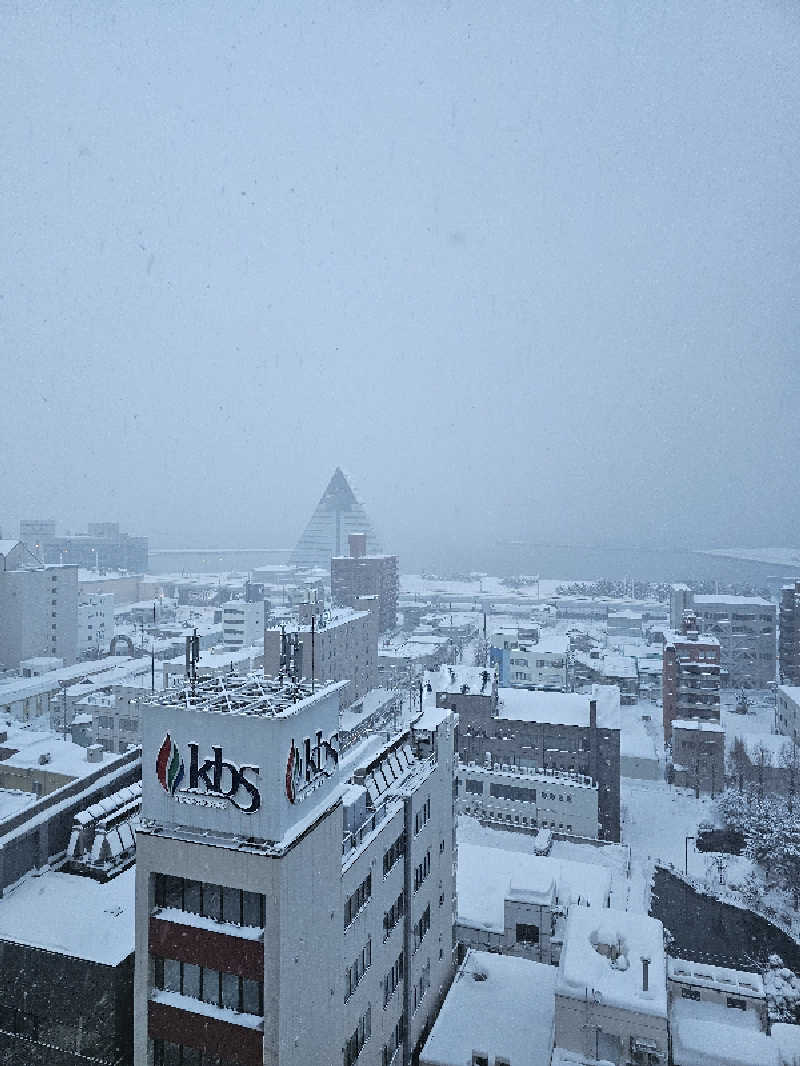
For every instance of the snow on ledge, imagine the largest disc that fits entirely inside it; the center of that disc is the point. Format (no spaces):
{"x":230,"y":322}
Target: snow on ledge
{"x":208,"y":1010}
{"x":198,"y":921}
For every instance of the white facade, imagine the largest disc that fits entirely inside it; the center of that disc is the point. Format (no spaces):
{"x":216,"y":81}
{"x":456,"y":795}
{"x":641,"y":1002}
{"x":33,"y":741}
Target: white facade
{"x":242,"y":623}
{"x":787,"y":711}
{"x":513,"y":797}
{"x":38,"y":611}
{"x":315,"y":893}
{"x":538,"y":666}
{"x":95,"y":622}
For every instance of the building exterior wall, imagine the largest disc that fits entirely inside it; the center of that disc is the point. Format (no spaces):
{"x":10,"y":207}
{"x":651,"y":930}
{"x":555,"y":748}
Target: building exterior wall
{"x":698,"y":755}
{"x":368,"y":575}
{"x":588,"y":750}
{"x":527,"y":800}
{"x":787,"y":711}
{"x":95,"y":622}
{"x":243,"y":623}
{"x":345,"y":649}
{"x":690,"y":681}
{"x":38,"y":614}
{"x":602,"y":1031}
{"x":746,"y":628}
{"x":532,"y":667}
{"x":789,"y":636}
{"x":323,"y":960}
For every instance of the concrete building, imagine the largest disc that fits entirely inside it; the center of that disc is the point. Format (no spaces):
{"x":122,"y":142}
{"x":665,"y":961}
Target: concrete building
{"x":38,"y":607}
{"x":789,"y":636}
{"x":745,"y":627}
{"x":345,"y":649}
{"x":611,"y":994}
{"x":541,"y":664}
{"x":95,"y":623}
{"x":787,"y":711}
{"x":623,"y":625}
{"x":499,"y":1012}
{"x":538,"y":730}
{"x":293,"y":908}
{"x":691,"y":676}
{"x":516,"y":903}
{"x":698,"y":755}
{"x":242,"y":623}
{"x":358,"y":574}
{"x":526,"y":800}
{"x":102,"y":547}
{"x":338,"y":513}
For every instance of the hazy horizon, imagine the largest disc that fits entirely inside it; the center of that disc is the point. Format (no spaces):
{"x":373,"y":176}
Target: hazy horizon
{"x":528,"y":272}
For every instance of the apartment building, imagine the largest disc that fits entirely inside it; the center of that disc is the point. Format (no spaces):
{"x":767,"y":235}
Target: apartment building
{"x":345,"y":648}
{"x":38,"y":607}
{"x":698,"y":755}
{"x":293,"y":906}
{"x":789,"y":637}
{"x":745,"y":626}
{"x":787,"y":711}
{"x":358,"y":574}
{"x":95,"y":623}
{"x":541,"y":664}
{"x":242,"y":623}
{"x":690,"y":676}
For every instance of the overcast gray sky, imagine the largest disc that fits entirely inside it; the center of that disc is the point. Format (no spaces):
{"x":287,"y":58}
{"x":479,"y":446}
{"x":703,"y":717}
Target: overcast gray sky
{"x":526,"y":270}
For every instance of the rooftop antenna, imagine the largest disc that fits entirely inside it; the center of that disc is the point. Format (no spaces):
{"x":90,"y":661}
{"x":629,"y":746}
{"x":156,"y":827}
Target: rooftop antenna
{"x":313,"y":633}
{"x":192,"y":656}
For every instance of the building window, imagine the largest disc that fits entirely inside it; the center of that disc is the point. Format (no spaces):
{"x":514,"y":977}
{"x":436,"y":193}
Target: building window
{"x":422,"y":871}
{"x":361,"y":1035}
{"x":394,"y":853}
{"x":736,"y":1003}
{"x":422,"y":816}
{"x":354,"y":973}
{"x":394,"y":914}
{"x":690,"y":993}
{"x":527,"y":934}
{"x":422,"y":926}
{"x":220,"y":903}
{"x":357,"y":900}
{"x":474,"y":788}
{"x":209,"y":986}
{"x":393,"y":978}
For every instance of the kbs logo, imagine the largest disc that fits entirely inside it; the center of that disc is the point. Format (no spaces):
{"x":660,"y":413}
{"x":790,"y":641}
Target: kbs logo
{"x":213,"y":777}
{"x":307,"y":768}
{"x":169,"y":765}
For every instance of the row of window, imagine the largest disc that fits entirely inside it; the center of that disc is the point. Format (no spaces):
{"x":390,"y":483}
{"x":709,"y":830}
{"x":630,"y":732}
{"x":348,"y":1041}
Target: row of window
{"x":219,"y":902}
{"x":354,"y":972}
{"x":393,"y":978}
{"x":422,"y":986}
{"x":422,"y":871}
{"x":394,"y":914}
{"x":516,"y":819}
{"x":422,"y":816}
{"x":21,"y":1023}
{"x":513,"y":792}
{"x":210,"y":986}
{"x":166,"y":1053}
{"x":356,"y":901}
{"x":422,"y":926}
{"x":361,"y":1035}
{"x":395,"y":1041}
{"x":394,"y":853}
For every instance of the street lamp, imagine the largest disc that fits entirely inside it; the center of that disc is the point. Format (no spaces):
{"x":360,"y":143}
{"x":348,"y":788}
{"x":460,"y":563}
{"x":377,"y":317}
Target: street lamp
{"x":687,"y":852}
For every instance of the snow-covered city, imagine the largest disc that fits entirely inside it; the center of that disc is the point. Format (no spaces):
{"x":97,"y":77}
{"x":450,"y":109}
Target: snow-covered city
{"x":400,"y":533}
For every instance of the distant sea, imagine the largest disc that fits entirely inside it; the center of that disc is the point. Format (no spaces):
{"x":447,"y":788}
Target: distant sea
{"x":507,"y":559}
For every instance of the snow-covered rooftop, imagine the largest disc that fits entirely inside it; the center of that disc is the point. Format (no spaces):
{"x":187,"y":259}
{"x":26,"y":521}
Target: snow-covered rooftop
{"x":498,"y":1004}
{"x":561,"y":708}
{"x":101,"y":915}
{"x":487,"y":876}
{"x":732,"y":601}
{"x":61,"y":756}
{"x":615,"y":972}
{"x":703,"y":975}
{"x":711,"y":1034}
{"x":698,"y":725}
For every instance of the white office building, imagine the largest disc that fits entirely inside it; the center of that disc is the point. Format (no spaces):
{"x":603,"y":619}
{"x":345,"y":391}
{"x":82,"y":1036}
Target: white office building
{"x":242,"y":623}
{"x":294,"y":906}
{"x":95,"y":623}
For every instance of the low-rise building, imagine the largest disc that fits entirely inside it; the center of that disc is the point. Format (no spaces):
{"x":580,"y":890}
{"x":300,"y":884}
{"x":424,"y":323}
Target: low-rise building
{"x":611,"y":994}
{"x":698,"y":755}
{"x":498,"y":1012}
{"x":540,"y":665}
{"x":515,"y":903}
{"x":526,"y":799}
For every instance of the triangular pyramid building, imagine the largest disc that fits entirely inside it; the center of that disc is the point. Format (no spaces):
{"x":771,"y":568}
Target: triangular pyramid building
{"x":338,"y":513}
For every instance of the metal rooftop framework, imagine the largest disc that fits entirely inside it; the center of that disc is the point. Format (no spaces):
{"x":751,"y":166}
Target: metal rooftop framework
{"x":251,"y":694}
